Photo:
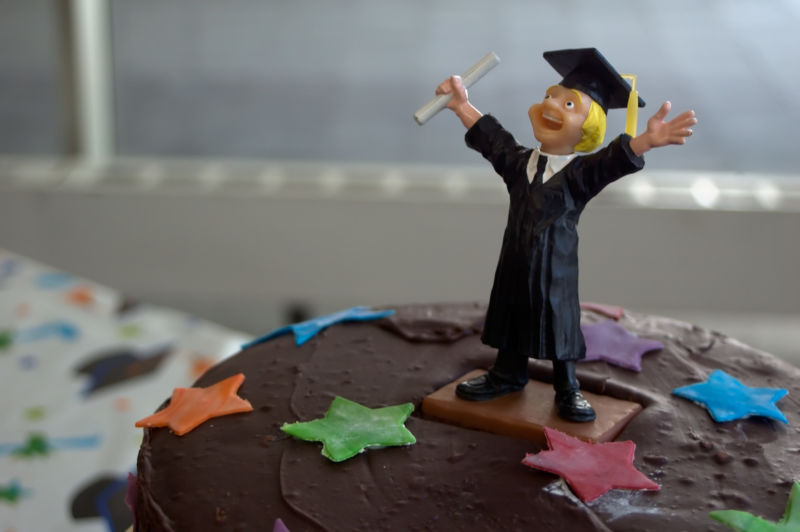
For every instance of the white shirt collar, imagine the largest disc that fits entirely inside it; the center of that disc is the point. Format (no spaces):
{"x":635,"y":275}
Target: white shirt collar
{"x":554,"y":164}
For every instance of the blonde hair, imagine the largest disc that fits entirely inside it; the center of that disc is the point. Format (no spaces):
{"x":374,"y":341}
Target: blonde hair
{"x":594,"y":127}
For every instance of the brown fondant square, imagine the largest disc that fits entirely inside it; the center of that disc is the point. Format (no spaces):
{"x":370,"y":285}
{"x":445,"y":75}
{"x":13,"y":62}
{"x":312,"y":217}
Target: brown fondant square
{"x":524,"y":414}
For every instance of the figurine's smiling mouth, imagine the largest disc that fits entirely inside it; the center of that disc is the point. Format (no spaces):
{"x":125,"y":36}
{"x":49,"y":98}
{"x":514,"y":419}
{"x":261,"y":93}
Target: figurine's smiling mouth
{"x":552,"y":121}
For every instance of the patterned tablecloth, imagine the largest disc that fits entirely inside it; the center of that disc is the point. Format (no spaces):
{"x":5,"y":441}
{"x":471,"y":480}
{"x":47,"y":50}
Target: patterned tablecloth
{"x":79,"y":364}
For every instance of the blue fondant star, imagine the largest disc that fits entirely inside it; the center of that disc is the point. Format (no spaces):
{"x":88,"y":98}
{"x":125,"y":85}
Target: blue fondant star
{"x":306,"y":330}
{"x":727,"y":399}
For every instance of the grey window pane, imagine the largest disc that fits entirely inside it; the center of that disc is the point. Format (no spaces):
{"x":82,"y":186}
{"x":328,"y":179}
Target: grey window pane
{"x":32,"y":116}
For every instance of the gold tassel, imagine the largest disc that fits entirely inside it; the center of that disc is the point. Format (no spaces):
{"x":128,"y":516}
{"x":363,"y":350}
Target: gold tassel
{"x":633,"y":106}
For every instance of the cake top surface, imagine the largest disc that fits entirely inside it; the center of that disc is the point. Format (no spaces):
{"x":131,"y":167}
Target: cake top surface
{"x":244,"y":472}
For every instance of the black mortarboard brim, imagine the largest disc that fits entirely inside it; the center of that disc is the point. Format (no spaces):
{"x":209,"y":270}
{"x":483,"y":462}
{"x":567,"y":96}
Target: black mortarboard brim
{"x":588,"y":71}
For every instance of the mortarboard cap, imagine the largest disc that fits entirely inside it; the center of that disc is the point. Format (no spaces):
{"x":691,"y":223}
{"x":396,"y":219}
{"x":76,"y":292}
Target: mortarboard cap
{"x":588,"y":71}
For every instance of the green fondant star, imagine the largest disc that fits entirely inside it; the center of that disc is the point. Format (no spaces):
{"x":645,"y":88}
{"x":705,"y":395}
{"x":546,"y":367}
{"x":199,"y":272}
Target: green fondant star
{"x":6,"y":340}
{"x":747,"y":522}
{"x":348,"y":428}
{"x":37,"y":445}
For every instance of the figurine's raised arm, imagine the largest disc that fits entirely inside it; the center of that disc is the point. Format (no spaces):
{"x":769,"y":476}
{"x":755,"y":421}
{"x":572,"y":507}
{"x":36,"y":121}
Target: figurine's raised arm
{"x":660,"y":133}
{"x":459,"y":104}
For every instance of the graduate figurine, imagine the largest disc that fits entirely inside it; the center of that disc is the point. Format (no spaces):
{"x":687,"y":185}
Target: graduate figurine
{"x":534,"y":307}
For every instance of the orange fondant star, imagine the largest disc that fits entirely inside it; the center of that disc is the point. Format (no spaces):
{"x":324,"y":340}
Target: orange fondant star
{"x":189,"y":407}
{"x":200,"y":365}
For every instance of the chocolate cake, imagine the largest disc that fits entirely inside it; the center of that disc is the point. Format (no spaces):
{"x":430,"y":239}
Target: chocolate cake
{"x":241,"y":472}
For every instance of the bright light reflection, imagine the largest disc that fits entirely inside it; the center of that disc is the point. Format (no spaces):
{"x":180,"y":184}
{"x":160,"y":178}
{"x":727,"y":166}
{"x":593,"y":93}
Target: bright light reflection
{"x":393,"y":184}
{"x":705,"y":192}
{"x":768,"y":195}
{"x":455,"y":186}
{"x":332,"y":181}
{"x":642,"y":191}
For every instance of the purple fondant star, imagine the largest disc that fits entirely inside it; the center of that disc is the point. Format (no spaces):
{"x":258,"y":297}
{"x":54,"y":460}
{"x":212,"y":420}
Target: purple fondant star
{"x":610,"y":342}
{"x":727,"y":399}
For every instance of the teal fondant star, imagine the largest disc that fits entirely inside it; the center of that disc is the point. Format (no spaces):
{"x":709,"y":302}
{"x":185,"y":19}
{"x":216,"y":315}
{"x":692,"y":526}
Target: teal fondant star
{"x":348,"y":428}
{"x":306,"y":330}
{"x":36,"y":445}
{"x":747,"y":522}
{"x":11,"y":492}
{"x":727,"y":399}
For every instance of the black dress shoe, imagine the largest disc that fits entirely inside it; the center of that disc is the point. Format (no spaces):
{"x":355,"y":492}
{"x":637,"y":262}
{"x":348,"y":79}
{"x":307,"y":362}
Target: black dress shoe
{"x":485,"y":387}
{"x":573,"y":406}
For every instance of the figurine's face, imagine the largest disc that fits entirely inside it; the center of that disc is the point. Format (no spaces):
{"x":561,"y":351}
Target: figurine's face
{"x":557,"y":121}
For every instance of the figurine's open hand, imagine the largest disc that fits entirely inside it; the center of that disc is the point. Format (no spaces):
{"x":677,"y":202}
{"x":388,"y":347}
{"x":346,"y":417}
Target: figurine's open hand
{"x":459,"y":103}
{"x":660,"y":133}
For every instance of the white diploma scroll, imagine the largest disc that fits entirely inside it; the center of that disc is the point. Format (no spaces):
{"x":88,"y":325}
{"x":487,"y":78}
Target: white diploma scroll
{"x":476,"y":72}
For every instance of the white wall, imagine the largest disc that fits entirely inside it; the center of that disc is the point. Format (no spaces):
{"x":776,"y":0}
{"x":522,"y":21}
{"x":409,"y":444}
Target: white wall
{"x":237,"y":245}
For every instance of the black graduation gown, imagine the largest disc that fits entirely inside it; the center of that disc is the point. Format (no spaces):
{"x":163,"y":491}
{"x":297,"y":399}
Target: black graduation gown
{"x":534,"y":307}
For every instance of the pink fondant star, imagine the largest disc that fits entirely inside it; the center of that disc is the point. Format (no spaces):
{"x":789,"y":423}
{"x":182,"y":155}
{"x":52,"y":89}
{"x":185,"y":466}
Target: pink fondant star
{"x":608,"y":341}
{"x":590,"y":469}
{"x":609,"y":311}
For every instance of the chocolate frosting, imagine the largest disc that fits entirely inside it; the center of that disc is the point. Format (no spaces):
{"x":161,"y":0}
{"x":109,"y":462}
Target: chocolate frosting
{"x":240,"y":472}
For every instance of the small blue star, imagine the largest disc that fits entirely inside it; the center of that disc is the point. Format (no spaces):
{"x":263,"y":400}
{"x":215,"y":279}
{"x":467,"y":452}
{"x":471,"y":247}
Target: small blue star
{"x":306,"y":330}
{"x":27,"y":362}
{"x":54,"y":280}
{"x":727,"y":399}
{"x":58,"y":328}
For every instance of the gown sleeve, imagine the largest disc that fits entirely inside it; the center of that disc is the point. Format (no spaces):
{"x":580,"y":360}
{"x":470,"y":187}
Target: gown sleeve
{"x":499,"y":147}
{"x":588,"y":175}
